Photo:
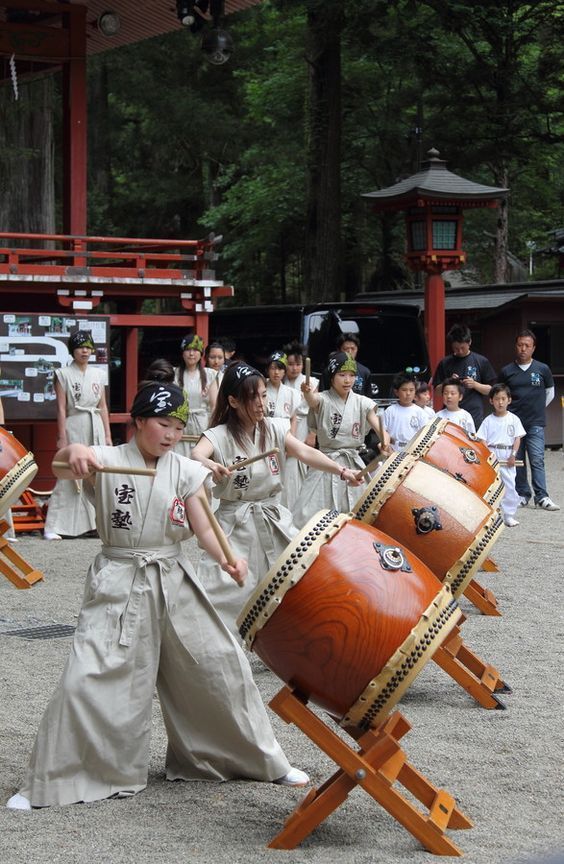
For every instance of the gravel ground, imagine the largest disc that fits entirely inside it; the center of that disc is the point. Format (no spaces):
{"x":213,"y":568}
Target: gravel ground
{"x":504,"y":767}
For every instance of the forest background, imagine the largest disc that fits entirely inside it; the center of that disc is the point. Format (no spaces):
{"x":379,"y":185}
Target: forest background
{"x":322,"y":100}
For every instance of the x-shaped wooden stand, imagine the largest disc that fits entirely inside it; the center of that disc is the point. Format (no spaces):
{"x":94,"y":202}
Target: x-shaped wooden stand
{"x":375,"y":763}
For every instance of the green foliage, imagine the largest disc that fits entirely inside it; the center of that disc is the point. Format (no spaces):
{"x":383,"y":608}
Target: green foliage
{"x":190,"y":147}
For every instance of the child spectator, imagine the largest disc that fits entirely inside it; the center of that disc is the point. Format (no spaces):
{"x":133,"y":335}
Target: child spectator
{"x":453,"y":393}
{"x":423,"y":399}
{"x":502,"y":431}
{"x":404,"y":419}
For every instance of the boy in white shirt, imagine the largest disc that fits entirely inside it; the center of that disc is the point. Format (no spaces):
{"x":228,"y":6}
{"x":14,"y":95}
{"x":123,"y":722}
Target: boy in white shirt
{"x":453,"y":393}
{"x":502,"y":431}
{"x":423,"y":399}
{"x":403,"y":420}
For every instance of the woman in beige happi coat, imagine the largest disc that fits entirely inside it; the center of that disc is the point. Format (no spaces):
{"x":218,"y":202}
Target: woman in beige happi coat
{"x":250,"y":511}
{"x":198,"y":382}
{"x":146,"y":622}
{"x":82,"y":418}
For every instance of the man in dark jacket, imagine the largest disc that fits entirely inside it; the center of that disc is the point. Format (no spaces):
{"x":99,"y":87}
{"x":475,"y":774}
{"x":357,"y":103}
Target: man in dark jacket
{"x":475,"y":372}
{"x":532,"y":390}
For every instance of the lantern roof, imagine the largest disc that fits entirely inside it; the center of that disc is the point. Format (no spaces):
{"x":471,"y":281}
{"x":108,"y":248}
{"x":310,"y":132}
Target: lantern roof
{"x":434,"y":184}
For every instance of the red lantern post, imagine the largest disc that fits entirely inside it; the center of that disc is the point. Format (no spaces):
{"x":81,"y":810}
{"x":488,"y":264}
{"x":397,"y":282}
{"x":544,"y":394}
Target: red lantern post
{"x":433,"y":201}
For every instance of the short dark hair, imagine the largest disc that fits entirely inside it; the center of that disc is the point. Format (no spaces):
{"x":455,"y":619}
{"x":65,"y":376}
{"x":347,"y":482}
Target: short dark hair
{"x":459,"y":333}
{"x":294,"y":349}
{"x":524,"y":334}
{"x":403,"y":378}
{"x":499,"y":388}
{"x":422,"y":387}
{"x":347,"y":337}
{"x":228,"y":344}
{"x":453,"y":382}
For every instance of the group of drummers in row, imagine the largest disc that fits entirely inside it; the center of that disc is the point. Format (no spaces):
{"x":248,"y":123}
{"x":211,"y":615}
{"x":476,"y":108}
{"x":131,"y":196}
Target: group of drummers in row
{"x":235,"y":414}
{"x":252,"y":440}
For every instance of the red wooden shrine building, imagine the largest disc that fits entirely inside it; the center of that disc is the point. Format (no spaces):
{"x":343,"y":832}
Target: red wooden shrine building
{"x":71,"y":273}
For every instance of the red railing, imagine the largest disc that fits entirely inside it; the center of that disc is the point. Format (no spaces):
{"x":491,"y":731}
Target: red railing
{"x":114,"y":257}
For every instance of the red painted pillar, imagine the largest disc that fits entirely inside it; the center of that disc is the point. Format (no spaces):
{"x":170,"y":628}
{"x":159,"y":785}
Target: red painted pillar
{"x":74,"y":129}
{"x":435,"y":318}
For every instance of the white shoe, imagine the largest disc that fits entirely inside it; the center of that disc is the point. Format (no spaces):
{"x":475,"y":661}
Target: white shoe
{"x":523,"y":502}
{"x":18,"y":802}
{"x":50,"y":535}
{"x":510,"y":522}
{"x":294,"y":777}
{"x":547,"y":504}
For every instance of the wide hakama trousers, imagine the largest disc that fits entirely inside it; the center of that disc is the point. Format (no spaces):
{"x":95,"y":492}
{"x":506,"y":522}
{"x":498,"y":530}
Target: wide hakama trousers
{"x":142,"y":625}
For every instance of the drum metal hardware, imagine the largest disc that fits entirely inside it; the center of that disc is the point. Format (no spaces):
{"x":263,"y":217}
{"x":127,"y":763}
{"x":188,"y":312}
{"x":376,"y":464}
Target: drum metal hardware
{"x":392,"y":558}
{"x":426,"y":519}
{"x":470,"y":456}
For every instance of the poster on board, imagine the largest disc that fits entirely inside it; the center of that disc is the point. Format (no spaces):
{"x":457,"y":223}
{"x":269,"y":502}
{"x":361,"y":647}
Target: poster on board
{"x":32,"y":347}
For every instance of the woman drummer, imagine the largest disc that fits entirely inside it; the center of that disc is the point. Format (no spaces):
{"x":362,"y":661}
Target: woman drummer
{"x":343,"y":419}
{"x":197,"y":381}
{"x":146,"y":622}
{"x":82,"y":417}
{"x":250,"y":511}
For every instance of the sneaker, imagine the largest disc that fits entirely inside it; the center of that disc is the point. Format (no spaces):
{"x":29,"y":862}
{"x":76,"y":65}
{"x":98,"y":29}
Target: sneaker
{"x":294,"y":777}
{"x":510,"y":522}
{"x":50,"y":535}
{"x":18,"y":802}
{"x":523,"y":502}
{"x":547,"y":504}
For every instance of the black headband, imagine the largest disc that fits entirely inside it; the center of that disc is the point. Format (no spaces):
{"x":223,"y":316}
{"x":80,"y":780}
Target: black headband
{"x":161,"y":400}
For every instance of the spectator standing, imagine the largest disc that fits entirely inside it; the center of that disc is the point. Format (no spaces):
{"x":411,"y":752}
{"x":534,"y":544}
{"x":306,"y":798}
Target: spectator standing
{"x":423,"y":399}
{"x":403,"y":419}
{"x":502,"y":431}
{"x":532,"y":390}
{"x":453,"y":391}
{"x":475,"y":372}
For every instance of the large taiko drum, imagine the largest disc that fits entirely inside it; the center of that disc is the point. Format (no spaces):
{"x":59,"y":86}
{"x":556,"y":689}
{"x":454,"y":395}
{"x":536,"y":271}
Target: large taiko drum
{"x":347,"y":618}
{"x":445,"y":523}
{"x":17,"y":470}
{"x":446,"y":445}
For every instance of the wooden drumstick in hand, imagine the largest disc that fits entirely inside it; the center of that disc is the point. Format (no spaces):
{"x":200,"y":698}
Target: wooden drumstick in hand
{"x":307,"y":370}
{"x":252,"y":459}
{"x":114,"y":469}
{"x":218,"y":531}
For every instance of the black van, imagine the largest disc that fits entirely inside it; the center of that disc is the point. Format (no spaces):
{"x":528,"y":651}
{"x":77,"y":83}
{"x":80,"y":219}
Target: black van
{"x":391,"y":336}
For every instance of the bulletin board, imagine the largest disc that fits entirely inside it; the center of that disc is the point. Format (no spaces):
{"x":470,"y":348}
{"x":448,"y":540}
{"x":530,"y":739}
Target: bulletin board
{"x":32,"y":347}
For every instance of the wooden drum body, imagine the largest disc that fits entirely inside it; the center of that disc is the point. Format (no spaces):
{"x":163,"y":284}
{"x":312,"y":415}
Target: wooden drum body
{"x":17,"y":470}
{"x":446,"y":445}
{"x":445,"y":523}
{"x":348,"y":618}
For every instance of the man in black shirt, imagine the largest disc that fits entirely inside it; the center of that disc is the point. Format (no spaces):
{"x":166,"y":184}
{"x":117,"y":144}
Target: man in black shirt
{"x":474,"y":371}
{"x":532,"y":389}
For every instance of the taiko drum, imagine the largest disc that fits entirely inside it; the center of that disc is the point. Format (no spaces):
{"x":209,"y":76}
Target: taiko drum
{"x":469,"y":460}
{"x":445,"y":523}
{"x":348,"y":618}
{"x":17,"y":470}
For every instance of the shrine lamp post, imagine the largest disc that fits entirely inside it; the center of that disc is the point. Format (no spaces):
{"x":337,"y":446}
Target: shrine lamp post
{"x":433,"y":201}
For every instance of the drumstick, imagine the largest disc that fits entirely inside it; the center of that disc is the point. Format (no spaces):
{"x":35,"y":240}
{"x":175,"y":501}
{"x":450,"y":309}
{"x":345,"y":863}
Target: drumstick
{"x":518,"y":462}
{"x":218,"y":531}
{"x":370,"y":467}
{"x":307,"y":369}
{"x":114,"y":469}
{"x":191,"y":438}
{"x":252,"y":459}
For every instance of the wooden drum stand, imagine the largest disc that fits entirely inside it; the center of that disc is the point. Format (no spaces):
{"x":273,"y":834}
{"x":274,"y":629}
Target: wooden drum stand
{"x":376,"y":764}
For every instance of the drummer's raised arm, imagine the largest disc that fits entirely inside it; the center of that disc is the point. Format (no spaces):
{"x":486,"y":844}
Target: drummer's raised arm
{"x":311,"y":396}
